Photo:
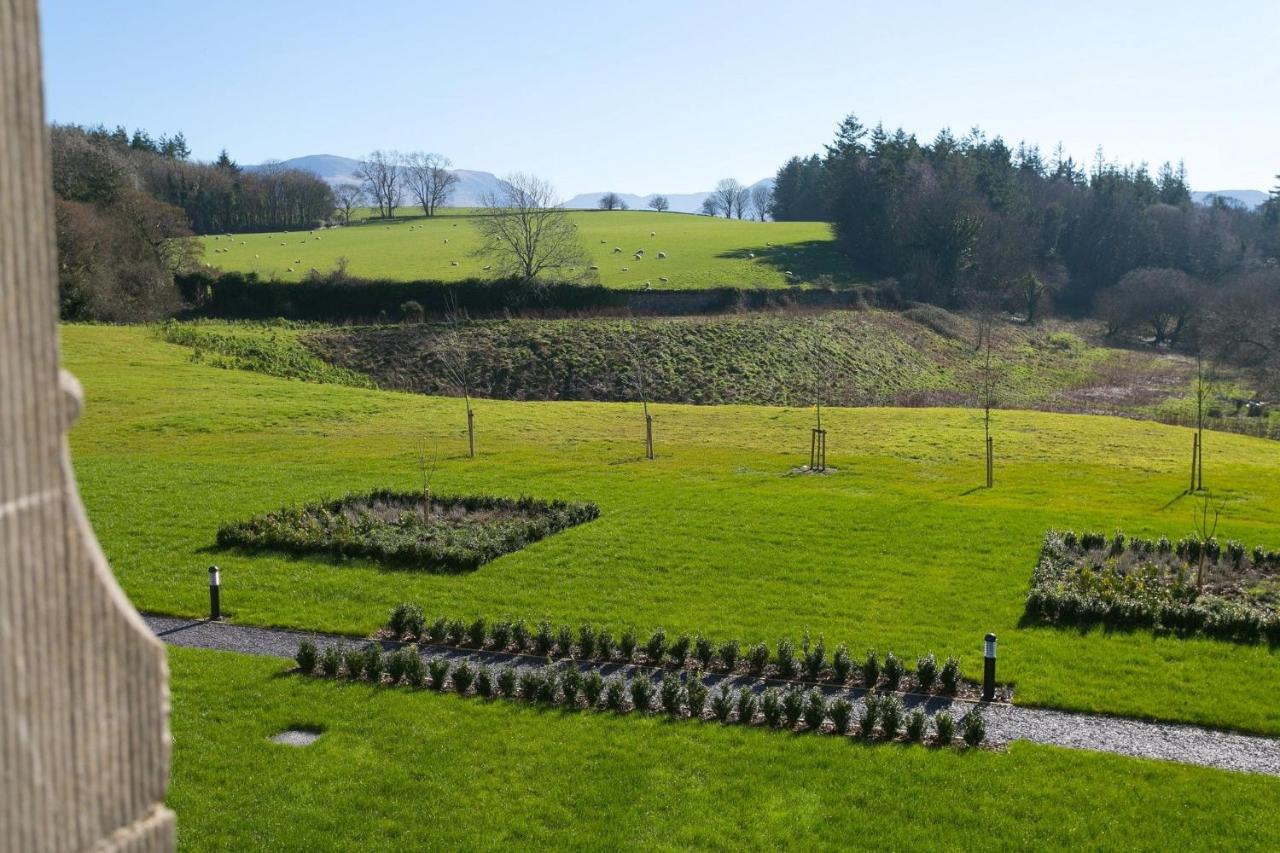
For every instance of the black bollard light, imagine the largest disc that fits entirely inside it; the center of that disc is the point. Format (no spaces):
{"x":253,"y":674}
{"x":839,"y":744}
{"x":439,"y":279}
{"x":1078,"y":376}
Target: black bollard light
{"x":989,"y":668}
{"x":215,"y":604}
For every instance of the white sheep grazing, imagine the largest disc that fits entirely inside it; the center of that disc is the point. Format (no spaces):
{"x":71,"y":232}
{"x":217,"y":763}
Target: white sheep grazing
{"x":789,"y":274}
{"x":255,"y":257}
{"x":453,"y":263}
{"x":768,"y":244}
{"x":282,"y":244}
{"x":662,"y":256}
{"x":653,"y":233}
{"x":617,"y":250}
{"x":594,"y":267}
{"x":638,"y":257}
{"x":663,"y":279}
{"x":243,"y":243}
{"x":488,"y":267}
{"x":297,"y":260}
{"x":648,"y":284}
{"x":604,"y":241}
{"x":626,"y":269}
{"x":446,"y":239}
{"x":290,"y":269}
{"x":751,"y":254}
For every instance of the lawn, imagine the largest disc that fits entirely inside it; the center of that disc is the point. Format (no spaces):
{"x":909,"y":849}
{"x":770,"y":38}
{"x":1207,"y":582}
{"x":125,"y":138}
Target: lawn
{"x":900,"y":549}
{"x":701,"y":251}
{"x":399,"y":769}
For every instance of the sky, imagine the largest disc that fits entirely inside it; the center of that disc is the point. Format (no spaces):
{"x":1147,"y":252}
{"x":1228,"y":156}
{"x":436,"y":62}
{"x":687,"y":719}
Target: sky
{"x":661,"y":96}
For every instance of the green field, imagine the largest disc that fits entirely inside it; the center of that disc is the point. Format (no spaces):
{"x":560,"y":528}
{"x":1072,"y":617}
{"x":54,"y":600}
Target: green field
{"x":900,"y":549}
{"x":701,"y":251}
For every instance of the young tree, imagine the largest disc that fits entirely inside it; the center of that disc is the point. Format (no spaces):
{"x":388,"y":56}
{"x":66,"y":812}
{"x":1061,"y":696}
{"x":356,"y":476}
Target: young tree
{"x":611,"y":201}
{"x":638,"y":356}
{"x":455,"y":352}
{"x":731,"y":198}
{"x":1205,"y":519}
{"x":987,"y":394}
{"x":348,"y":197}
{"x":821,"y":376}
{"x":429,"y":179}
{"x":660,"y":203}
{"x":525,"y":231}
{"x":762,"y":201}
{"x":381,"y":174}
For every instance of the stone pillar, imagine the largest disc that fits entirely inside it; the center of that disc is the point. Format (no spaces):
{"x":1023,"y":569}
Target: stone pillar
{"x":84,"y":739}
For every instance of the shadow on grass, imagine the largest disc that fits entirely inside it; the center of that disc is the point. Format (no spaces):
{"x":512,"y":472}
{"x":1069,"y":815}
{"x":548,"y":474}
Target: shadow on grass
{"x":1084,"y":626}
{"x":807,"y":261}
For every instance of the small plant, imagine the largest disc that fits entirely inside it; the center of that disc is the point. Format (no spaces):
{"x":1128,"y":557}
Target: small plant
{"x":501,"y":634}
{"x":944,"y":726}
{"x":841,"y":665}
{"x":890,"y":716}
{"x":642,"y":693}
{"x":722,"y":703}
{"x":406,"y":620}
{"x":973,"y":728}
{"x":586,"y":641}
{"x":927,"y":671}
{"x":747,"y":704}
{"x":679,"y":651}
{"x":704,"y":651}
{"x":671,"y":694}
{"x":353,"y":660}
{"x":530,"y":681}
{"x":463,"y":675}
{"x":439,"y":630}
{"x":695,"y":696}
{"x":841,"y":713}
{"x":520,"y":635}
{"x":477,"y":632}
{"x":543,"y":639}
{"x":815,"y":709}
{"x":627,"y":644}
{"x":814,"y":658}
{"x":758,"y":658}
{"x":564,"y":642}
{"x":950,"y":675}
{"x":373,"y":662}
{"x":330,"y":662}
{"x":728,"y":653}
{"x":507,"y":681}
{"x":771,"y":707}
{"x":395,"y":666}
{"x":615,"y":692}
{"x":307,"y":656}
{"x":656,"y":647}
{"x":915,"y":725}
{"x":871,"y":669}
{"x":606,"y":644}
{"x":457,"y":632}
{"x":438,"y":669}
{"x":893,"y":671}
{"x":547,"y":685}
{"x":870,"y":716}
{"x":484,"y":682}
{"x":786,"y":658}
{"x":414,"y":672}
{"x":571,"y":686}
{"x":592,"y":687}
{"x":792,"y":707}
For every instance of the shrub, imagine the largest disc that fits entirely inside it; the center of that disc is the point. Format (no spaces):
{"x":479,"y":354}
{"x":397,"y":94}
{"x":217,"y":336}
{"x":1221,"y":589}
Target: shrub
{"x":439,"y":630}
{"x":501,"y":634}
{"x":1235,"y":551}
{"x":814,"y":659}
{"x":457,"y":631}
{"x":758,"y":658}
{"x":586,"y":640}
{"x":396,"y":665}
{"x":463,"y":675}
{"x":871,"y":669}
{"x":520,"y":635}
{"x":870,"y":715}
{"x":507,"y":681}
{"x":815,"y":709}
{"x":841,"y":712}
{"x":330,"y":661}
{"x":695,"y":696}
{"x":484,"y":682}
{"x":476,"y":633}
{"x":792,"y":707}
{"x":406,"y":619}
{"x":353,"y":660}
{"x":927,"y":671}
{"x":893,"y":670}
{"x":951,"y":675}
{"x":413,"y":669}
{"x":530,"y":682}
{"x":915,"y":725}
{"x":771,"y":707}
{"x":728,"y":653}
{"x":543,"y":639}
{"x":592,"y":687}
{"x":656,"y":647}
{"x":679,"y":652}
{"x":627,"y":644}
{"x":547,"y":684}
{"x":747,"y":704}
{"x":373,"y":662}
{"x":786,"y":658}
{"x":841,"y":664}
{"x":890,"y":716}
{"x":703,"y":651}
{"x":722,"y":703}
{"x":973,"y":728}
{"x":307,"y":656}
{"x":944,"y":725}
{"x":642,"y":692}
{"x":670,"y":694}
{"x":605,"y":643}
{"x":438,"y":669}
{"x":615,"y":692}
{"x":564,"y":642}
{"x":570,"y":686}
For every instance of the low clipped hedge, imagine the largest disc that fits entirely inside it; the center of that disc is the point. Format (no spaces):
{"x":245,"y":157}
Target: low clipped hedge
{"x":1075,"y":582}
{"x":389,"y":527}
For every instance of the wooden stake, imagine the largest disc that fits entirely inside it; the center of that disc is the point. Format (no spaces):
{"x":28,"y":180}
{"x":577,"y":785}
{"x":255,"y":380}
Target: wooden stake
{"x":648,"y":436}
{"x":990,"y":464}
{"x":1195,"y":453}
{"x":471,"y":433}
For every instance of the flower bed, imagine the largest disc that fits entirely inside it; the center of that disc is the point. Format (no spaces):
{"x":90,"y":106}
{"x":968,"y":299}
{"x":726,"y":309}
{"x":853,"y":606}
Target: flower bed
{"x":445,"y":534}
{"x":1187,"y":587}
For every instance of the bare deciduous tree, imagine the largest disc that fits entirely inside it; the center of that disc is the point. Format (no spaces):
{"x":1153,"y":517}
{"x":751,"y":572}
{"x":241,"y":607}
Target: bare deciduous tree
{"x":611,"y":201}
{"x":660,"y":203}
{"x":1161,"y":301}
{"x":429,"y":179}
{"x":731,"y":198}
{"x":987,"y":395}
{"x":1205,"y":518}
{"x":526,"y":231}
{"x":762,"y":201}
{"x":348,"y":197}
{"x":383,"y":182}
{"x":456,"y":354}
{"x":638,"y":356}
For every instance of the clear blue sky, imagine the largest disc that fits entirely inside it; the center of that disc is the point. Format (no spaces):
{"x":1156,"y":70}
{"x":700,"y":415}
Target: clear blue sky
{"x":671,"y":96}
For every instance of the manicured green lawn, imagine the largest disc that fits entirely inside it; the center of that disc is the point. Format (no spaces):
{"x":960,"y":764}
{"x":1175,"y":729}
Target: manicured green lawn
{"x":701,"y":251}
{"x":399,"y":770}
{"x":899,"y":550}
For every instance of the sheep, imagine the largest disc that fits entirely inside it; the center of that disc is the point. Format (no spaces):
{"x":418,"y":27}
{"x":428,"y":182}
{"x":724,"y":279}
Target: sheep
{"x":282,"y":244}
{"x":594,"y":267}
{"x":653,"y":233}
{"x":639,"y":251}
{"x":662,"y":256}
{"x":789,"y":274}
{"x":604,"y":241}
{"x":290,"y":269}
{"x":751,"y":255}
{"x":648,"y":284}
{"x":617,"y":250}
{"x":243,"y":243}
{"x":453,"y":263}
{"x":638,"y":257}
{"x":768,"y":244}
{"x":297,"y":260}
{"x":256,"y":257}
{"x":626,"y":269}
{"x":488,"y":267}
{"x":663,"y":279}
{"x":446,"y":239}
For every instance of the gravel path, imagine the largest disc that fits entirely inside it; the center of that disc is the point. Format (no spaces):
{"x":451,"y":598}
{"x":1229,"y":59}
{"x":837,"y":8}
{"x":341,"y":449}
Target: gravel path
{"x":1169,"y":742}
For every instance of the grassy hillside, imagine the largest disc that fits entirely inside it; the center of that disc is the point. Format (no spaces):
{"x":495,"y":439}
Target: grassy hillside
{"x":899,"y":550}
{"x":701,"y":251}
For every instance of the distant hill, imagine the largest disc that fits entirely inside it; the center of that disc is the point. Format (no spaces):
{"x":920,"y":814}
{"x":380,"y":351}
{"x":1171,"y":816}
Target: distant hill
{"x":1245,"y":198}
{"x":680,"y":202}
{"x":472,"y":185}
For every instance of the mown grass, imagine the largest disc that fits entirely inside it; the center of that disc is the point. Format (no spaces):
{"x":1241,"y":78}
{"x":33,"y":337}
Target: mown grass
{"x":399,"y":769}
{"x":701,"y":251}
{"x":900,"y":550}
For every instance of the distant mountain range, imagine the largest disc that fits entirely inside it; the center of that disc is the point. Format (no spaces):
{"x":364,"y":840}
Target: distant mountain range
{"x":473,"y":185}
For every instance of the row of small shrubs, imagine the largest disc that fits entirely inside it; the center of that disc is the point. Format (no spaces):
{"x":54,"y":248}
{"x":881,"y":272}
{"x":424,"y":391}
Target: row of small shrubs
{"x":1188,"y":548}
{"x":1066,"y":591}
{"x":391,"y":527}
{"x":811,"y":661}
{"x":883,"y":716}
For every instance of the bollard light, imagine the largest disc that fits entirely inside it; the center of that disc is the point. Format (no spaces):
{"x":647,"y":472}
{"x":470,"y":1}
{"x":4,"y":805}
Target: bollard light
{"x":215,"y":584}
{"x":989,"y":668}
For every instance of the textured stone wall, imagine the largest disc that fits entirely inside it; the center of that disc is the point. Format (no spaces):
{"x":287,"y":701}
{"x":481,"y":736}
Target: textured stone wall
{"x":84,"y":740}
